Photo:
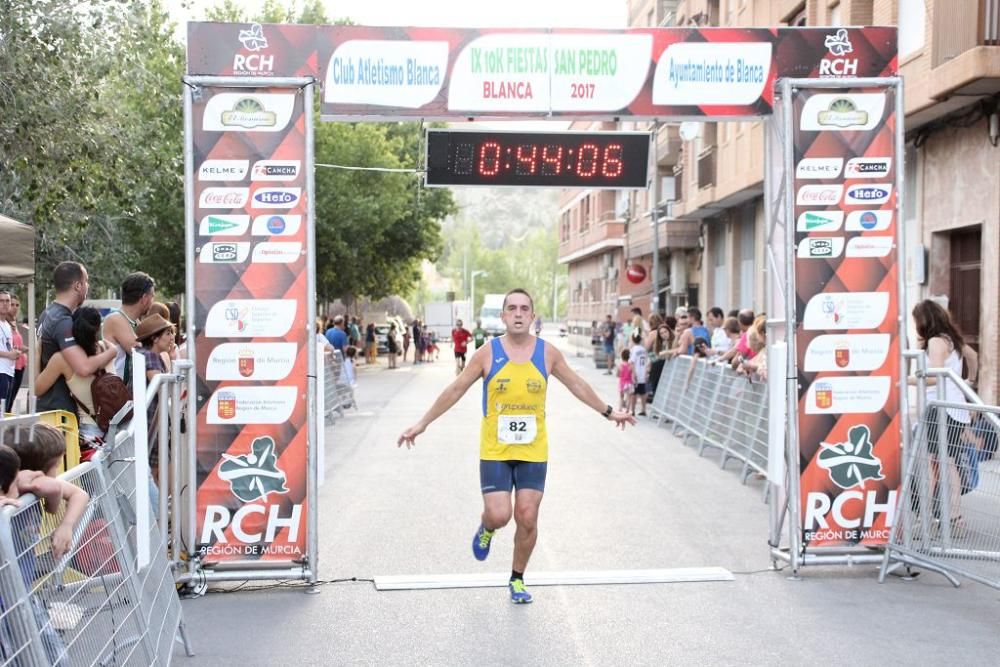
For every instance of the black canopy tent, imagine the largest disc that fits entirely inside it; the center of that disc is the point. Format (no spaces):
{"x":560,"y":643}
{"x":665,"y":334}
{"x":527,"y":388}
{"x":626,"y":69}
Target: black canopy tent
{"x":17,"y":265}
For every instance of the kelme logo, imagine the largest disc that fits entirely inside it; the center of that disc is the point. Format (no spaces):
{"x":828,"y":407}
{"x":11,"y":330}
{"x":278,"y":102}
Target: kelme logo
{"x":254,"y":475}
{"x":853,"y":462}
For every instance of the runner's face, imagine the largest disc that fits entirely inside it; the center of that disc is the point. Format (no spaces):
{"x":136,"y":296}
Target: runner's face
{"x":518,"y":313}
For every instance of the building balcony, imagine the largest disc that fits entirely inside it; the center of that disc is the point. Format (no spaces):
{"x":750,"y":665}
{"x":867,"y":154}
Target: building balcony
{"x":674,"y":235}
{"x":596,"y":239}
{"x":668,"y":145}
{"x":964,"y":60}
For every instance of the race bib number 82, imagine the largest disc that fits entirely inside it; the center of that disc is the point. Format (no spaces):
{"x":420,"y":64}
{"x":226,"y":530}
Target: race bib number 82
{"x":516,"y":429}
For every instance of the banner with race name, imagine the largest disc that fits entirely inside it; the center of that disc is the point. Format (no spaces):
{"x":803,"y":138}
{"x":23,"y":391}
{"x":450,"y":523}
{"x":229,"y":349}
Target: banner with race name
{"x":846,"y":281}
{"x":440,"y":73}
{"x":252,"y":333}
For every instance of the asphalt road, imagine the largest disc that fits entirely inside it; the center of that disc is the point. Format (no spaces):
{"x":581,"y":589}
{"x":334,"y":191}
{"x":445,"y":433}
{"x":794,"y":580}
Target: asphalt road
{"x":614,"y":500}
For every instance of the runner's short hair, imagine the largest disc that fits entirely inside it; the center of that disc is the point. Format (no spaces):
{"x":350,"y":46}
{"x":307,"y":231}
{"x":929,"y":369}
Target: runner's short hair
{"x":518,"y":290}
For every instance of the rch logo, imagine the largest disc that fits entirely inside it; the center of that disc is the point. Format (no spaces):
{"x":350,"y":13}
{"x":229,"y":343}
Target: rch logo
{"x":839,"y":45}
{"x":253,"y":40}
{"x":853,"y":462}
{"x":256,"y":474}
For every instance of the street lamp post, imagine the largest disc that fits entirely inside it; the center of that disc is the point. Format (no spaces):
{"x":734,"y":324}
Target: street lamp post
{"x":472,"y":291}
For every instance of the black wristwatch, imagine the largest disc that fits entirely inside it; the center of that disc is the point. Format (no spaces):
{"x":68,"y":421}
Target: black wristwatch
{"x":607,"y":412}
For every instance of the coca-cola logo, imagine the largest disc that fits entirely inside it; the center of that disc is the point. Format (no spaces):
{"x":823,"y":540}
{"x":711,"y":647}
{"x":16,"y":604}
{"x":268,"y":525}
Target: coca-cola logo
{"x":820,"y":194}
{"x":223,"y":198}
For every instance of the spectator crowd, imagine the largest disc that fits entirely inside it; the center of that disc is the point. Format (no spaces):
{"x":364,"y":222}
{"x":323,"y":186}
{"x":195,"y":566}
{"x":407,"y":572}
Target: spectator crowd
{"x":637,"y":348}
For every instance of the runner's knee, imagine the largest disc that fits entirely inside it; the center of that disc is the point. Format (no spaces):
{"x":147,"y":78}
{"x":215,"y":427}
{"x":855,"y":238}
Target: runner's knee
{"x":497,"y":517}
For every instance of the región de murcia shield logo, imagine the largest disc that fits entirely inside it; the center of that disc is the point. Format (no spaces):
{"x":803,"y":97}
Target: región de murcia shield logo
{"x":246,"y":363}
{"x":254,"y":475}
{"x":853,"y":462}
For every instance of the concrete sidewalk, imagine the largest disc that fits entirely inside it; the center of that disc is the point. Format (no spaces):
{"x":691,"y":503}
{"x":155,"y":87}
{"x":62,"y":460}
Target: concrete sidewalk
{"x":633,"y":500}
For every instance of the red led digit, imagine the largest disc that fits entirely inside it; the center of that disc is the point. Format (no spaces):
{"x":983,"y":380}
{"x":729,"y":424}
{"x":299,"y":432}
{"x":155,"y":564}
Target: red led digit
{"x":527,"y":159}
{"x":489,"y":158}
{"x":552,"y":160}
{"x":586,"y":164}
{"x":612,"y":167}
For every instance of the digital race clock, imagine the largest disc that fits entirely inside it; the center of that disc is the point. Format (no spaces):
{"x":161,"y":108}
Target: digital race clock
{"x":611,"y":160}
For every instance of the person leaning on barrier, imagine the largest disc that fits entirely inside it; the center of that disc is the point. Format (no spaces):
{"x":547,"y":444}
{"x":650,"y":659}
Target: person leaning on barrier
{"x":940,"y":339}
{"x":40,"y":450}
{"x":86,"y":333}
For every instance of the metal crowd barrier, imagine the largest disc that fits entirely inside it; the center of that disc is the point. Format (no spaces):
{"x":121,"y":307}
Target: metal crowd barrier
{"x":948,"y":516}
{"x":714,"y":406}
{"x":95,"y":605}
{"x":337,"y":392}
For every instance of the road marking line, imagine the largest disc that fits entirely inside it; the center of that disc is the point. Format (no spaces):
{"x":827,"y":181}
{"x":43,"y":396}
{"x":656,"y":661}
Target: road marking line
{"x":565,"y":578}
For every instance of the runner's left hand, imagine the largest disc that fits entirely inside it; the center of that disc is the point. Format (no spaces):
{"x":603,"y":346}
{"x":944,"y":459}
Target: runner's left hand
{"x":409,"y":436}
{"x":620,"y":418}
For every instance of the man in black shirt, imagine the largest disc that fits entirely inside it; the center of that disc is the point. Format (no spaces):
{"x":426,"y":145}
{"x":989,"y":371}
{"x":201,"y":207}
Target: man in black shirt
{"x":55,"y":332}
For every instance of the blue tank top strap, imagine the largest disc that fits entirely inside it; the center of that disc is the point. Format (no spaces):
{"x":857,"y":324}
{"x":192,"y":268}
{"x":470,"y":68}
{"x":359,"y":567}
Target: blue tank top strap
{"x":538,"y":357}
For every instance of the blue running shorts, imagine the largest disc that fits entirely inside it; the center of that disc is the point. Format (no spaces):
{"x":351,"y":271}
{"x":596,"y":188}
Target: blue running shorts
{"x":504,"y":476}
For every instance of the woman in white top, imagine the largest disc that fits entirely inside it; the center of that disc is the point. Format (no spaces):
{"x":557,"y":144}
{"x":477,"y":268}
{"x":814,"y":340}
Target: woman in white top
{"x":943,"y":344}
{"x":86,"y":332}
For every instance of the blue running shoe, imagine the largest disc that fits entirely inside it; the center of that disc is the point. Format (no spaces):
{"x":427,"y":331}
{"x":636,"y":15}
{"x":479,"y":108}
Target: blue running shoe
{"x":518,"y":593}
{"x":481,"y":542}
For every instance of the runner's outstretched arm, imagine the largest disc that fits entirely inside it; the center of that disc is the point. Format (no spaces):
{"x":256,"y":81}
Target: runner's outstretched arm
{"x":582,"y":390}
{"x":474,"y":370}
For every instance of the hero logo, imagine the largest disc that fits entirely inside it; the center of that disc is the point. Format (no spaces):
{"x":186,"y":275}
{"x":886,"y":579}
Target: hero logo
{"x":820,"y":195}
{"x":276,"y":198}
{"x":839,"y":45}
{"x":253,"y":39}
{"x":868,"y":194}
{"x":868,"y":167}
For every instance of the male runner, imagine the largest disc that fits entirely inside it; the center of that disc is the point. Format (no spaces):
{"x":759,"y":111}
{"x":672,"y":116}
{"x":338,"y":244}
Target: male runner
{"x":479,"y":334}
{"x":513,"y":446}
{"x":460,"y":337}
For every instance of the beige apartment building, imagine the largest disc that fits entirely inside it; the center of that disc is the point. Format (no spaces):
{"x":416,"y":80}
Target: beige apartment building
{"x":949,"y":56}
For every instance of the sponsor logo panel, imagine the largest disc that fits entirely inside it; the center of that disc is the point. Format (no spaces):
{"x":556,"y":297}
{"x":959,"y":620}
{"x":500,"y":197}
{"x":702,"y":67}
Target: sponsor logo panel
{"x":260,"y":361}
{"x":820,"y":221}
{"x":838,"y":45}
{"x":250,"y":318}
{"x":223,"y":170}
{"x":852,"y":462}
{"x":228,"y":198}
{"x":847,"y":352}
{"x":819,"y":195}
{"x":870,"y":246}
{"x":840,"y":395}
{"x":846,"y":310}
{"x":276,"y":198}
{"x":868,"y":221}
{"x":224,"y":225}
{"x":819,"y":167}
{"x":277,"y":252}
{"x":224,"y":252}
{"x":821,"y":247}
{"x":248,"y":112}
{"x":863,"y":195}
{"x":252,"y":405}
{"x":868,"y":167}
{"x":842,"y":112}
{"x":276,"y":225}
{"x":254,"y":63}
{"x":275,"y":170}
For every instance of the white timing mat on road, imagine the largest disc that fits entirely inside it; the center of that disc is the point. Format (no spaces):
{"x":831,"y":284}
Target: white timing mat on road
{"x":567,"y":578}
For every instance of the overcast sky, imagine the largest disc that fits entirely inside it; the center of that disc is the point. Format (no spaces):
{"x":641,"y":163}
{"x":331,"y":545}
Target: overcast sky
{"x":456,"y":13}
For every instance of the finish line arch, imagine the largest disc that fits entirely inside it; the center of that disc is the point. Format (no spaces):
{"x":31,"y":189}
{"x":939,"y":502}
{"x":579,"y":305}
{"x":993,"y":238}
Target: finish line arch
{"x":248,"y":102}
